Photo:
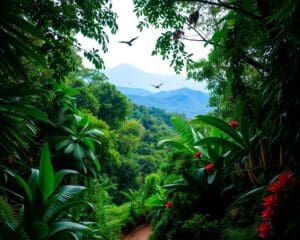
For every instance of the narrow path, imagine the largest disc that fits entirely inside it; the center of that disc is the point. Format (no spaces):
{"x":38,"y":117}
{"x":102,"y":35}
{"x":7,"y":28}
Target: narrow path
{"x":142,"y":232}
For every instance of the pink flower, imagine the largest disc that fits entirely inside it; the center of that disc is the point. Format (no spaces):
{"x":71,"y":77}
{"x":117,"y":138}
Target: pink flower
{"x":209,"y":167}
{"x":168,"y":204}
{"x":197,"y":154}
{"x":233,"y":124}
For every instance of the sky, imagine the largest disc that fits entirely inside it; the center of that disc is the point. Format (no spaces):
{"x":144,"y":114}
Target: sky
{"x":139,"y":54}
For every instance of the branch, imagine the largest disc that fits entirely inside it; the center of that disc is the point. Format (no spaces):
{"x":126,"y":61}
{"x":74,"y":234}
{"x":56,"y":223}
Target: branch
{"x":245,"y":58}
{"x":228,"y":6}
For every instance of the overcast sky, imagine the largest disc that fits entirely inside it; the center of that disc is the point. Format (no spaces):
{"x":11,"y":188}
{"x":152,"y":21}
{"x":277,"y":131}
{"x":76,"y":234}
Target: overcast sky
{"x":139,"y":54}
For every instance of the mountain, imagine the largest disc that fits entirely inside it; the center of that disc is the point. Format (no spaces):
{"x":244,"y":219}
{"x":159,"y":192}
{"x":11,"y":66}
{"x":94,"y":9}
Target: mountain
{"x":126,"y":75}
{"x":183,"y":101}
{"x":134,"y":91}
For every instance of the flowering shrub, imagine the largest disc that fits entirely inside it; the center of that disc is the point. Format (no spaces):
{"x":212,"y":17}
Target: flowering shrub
{"x":271,"y":202}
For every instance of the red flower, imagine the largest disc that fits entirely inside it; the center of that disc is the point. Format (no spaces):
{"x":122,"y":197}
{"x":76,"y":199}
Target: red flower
{"x":276,"y":186}
{"x":286,"y":177}
{"x":197,"y":154}
{"x":264,"y":229}
{"x":209,"y":167}
{"x":270,"y":200}
{"x":283,"y":179}
{"x":233,"y":124}
{"x":267,"y":213}
{"x":168,"y":204}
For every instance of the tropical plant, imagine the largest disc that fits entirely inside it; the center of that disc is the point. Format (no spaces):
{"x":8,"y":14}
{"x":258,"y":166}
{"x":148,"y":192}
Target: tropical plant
{"x":78,"y":141}
{"x":43,"y":213}
{"x":18,"y":115}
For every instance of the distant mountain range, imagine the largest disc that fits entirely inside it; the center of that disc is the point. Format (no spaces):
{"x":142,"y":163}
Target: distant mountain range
{"x":184,"y":101}
{"x":176,"y":94}
{"x":126,"y":75}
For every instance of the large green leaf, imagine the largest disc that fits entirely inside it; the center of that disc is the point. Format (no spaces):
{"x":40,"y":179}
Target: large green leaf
{"x":46,"y":178}
{"x":184,"y":130}
{"x":63,"y":144}
{"x":30,"y":111}
{"x":78,"y":152}
{"x":60,"y":175}
{"x":176,"y":144}
{"x":220,"y":124}
{"x":53,"y":213}
{"x":67,"y":226}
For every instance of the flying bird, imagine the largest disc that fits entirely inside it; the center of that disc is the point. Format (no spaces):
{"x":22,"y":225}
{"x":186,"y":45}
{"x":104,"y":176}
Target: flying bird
{"x":129,"y":42}
{"x":157,"y":86}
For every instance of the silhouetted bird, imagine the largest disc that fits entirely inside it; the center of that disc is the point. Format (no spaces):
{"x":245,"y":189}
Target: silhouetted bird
{"x":193,"y":18}
{"x":157,"y":86}
{"x":129,"y":42}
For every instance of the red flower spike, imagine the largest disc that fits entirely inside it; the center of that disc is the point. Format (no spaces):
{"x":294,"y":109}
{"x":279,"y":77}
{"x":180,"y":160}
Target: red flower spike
{"x":271,"y":200}
{"x":209,"y":167}
{"x":286,"y":177}
{"x":276,"y":186}
{"x":233,"y":124}
{"x":265,"y":229}
{"x":197,"y":154}
{"x":168,"y":204}
{"x":267,"y":213}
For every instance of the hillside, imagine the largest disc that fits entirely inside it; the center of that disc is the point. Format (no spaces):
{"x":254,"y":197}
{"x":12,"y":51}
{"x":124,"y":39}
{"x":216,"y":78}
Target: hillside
{"x":183,"y":101}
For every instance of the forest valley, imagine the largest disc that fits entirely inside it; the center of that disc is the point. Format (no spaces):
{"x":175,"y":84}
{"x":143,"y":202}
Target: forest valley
{"x":78,"y":160}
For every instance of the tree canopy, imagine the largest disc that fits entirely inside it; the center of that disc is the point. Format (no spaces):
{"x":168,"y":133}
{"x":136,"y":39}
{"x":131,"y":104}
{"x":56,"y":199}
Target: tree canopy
{"x":250,"y":69}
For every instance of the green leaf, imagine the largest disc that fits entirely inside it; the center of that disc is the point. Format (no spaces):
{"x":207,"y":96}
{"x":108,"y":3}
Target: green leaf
{"x":93,"y":133}
{"x":211,"y":177}
{"x":186,"y":132}
{"x":78,"y":152}
{"x":8,"y":216}
{"x":62,"y":208}
{"x":67,"y":226}
{"x":22,"y":183}
{"x":173,"y":143}
{"x":69,"y":148}
{"x":254,"y":191}
{"x":62,"y":144}
{"x":215,"y":141}
{"x":84,"y":122}
{"x":221,"y":125}
{"x":60,"y":175}
{"x":46,"y":177}
{"x":30,"y":111}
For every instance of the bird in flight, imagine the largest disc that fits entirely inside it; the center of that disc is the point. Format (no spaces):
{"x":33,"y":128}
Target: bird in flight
{"x":157,"y":86}
{"x":129,"y":42}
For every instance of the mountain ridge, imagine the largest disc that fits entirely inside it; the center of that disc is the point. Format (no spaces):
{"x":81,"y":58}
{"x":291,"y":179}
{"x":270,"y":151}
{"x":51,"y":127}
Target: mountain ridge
{"x":183,"y":101}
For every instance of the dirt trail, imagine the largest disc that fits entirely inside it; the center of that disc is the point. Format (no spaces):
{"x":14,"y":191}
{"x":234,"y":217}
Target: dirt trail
{"x":142,"y":232}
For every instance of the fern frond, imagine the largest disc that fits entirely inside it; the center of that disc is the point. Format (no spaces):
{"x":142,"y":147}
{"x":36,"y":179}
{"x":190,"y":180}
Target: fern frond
{"x":8,"y":215}
{"x":185,"y":131}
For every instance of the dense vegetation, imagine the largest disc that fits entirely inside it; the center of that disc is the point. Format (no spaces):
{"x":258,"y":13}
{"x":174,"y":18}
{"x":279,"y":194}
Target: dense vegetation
{"x":79,"y":161}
